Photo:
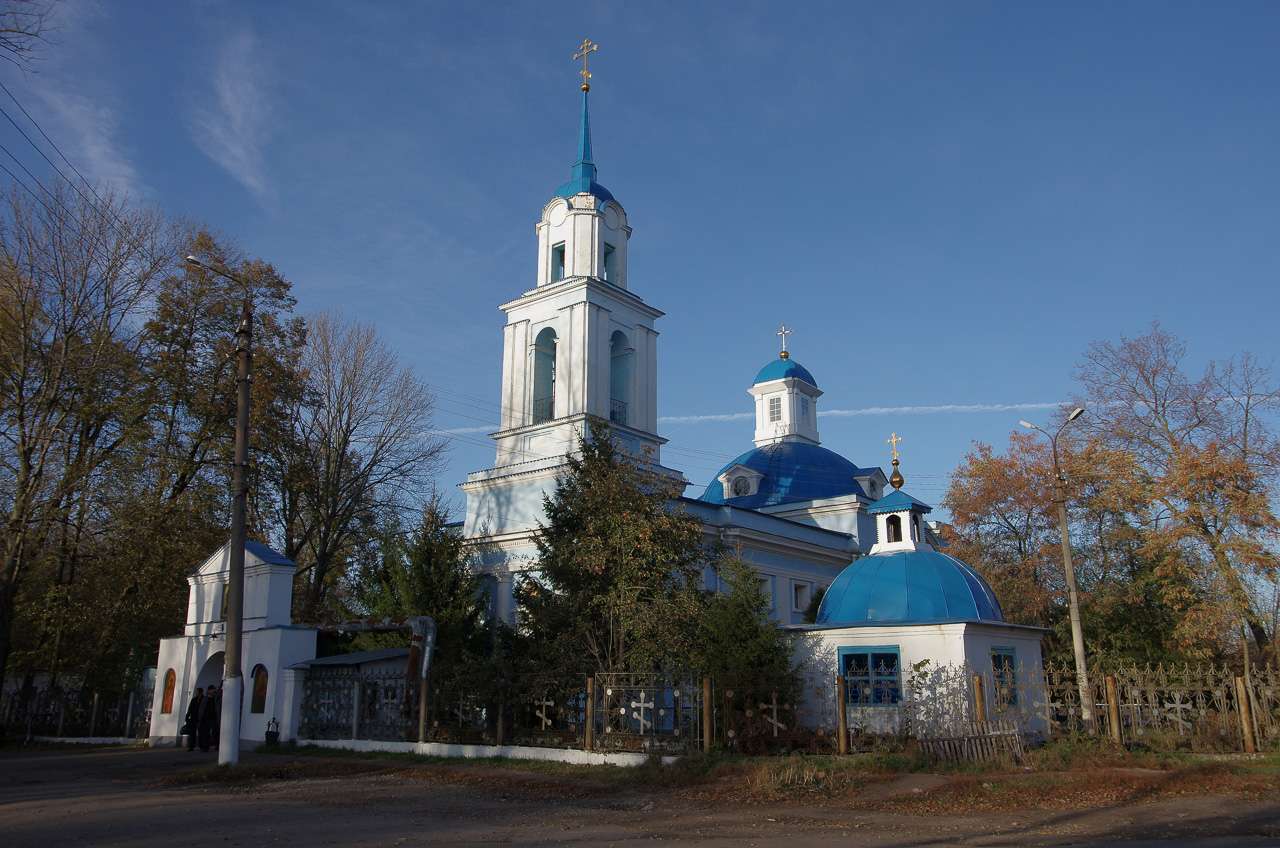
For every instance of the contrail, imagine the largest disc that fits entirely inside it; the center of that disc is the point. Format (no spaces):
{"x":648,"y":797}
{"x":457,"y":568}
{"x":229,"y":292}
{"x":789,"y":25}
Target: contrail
{"x":937,"y":409}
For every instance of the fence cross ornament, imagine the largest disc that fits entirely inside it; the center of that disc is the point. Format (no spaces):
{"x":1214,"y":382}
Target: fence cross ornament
{"x":769,"y":712}
{"x":543,"y":711}
{"x":640,"y":706}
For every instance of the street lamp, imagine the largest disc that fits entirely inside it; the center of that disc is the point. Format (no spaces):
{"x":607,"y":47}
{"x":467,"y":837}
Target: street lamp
{"x":232,"y":679}
{"x":1073,"y":600}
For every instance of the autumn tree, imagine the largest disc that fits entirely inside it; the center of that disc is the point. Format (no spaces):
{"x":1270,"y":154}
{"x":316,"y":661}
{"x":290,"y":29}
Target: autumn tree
{"x":1205,"y":460}
{"x":75,"y":281}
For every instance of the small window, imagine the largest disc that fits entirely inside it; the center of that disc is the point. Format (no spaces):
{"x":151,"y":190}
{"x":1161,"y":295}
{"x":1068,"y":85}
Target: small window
{"x":610,"y":263}
{"x":170,"y":684}
{"x":800,"y":594}
{"x":1004,"y":674}
{"x":804,"y":408}
{"x":557,"y":262}
{"x":766,"y":586}
{"x":222,"y":609}
{"x":775,"y":409}
{"x":871,"y":675}
{"x":893,"y":526}
{"x":741,"y":486}
{"x":258,"y":704}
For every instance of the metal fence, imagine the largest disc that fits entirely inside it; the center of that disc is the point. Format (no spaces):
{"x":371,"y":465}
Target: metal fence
{"x":1164,"y":707}
{"x":76,"y":713}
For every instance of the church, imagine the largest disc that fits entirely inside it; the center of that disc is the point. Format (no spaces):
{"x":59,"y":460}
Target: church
{"x":582,"y":343}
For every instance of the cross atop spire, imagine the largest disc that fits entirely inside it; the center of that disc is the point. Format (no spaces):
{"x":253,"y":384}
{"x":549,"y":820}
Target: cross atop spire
{"x":585,"y":49}
{"x":783,"y":332}
{"x":896,"y":479}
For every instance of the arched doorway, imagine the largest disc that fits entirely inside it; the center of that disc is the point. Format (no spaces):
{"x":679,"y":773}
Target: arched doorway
{"x":211,"y":672}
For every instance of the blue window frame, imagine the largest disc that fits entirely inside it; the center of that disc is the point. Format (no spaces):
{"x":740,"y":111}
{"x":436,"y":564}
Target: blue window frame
{"x":557,"y":262}
{"x":1004,"y":674}
{"x":872,"y":675}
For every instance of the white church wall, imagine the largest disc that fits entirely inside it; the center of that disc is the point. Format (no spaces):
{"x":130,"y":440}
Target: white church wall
{"x":951,"y":650}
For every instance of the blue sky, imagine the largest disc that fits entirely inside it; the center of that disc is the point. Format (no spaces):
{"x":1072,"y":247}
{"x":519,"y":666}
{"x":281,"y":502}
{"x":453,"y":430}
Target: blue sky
{"x":947,"y":201}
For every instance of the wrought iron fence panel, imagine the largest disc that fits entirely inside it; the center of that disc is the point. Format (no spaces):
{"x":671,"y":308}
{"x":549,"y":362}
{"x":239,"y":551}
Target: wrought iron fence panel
{"x":548,"y":712}
{"x":646,"y":713}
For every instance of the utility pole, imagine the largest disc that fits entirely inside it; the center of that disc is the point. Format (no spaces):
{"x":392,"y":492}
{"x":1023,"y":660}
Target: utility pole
{"x":232,"y":678}
{"x":1073,"y":594}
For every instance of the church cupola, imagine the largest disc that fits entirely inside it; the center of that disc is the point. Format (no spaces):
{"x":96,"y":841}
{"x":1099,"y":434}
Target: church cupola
{"x":786,"y":398}
{"x":899,"y":517}
{"x":583,"y":231}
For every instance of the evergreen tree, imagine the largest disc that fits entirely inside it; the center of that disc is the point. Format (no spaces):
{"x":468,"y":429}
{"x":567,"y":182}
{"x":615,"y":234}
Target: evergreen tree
{"x":740,"y":644}
{"x":617,"y":584}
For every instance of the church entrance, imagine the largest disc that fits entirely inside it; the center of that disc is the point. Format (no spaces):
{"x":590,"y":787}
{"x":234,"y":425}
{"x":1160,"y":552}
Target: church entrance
{"x":211,"y":672}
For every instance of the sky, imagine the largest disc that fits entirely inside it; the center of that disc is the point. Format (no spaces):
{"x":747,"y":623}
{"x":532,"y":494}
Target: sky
{"x":948,"y":202}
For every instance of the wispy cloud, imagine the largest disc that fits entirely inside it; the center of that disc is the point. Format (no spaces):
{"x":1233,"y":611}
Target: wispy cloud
{"x":231,"y":125}
{"x":937,"y":409}
{"x":462,"y":431}
{"x":90,"y":129}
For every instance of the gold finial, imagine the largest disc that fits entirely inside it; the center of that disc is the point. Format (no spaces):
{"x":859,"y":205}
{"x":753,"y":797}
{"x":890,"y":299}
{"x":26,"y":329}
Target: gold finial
{"x":895,"y":479}
{"x":783,"y":332}
{"x":585,"y":49}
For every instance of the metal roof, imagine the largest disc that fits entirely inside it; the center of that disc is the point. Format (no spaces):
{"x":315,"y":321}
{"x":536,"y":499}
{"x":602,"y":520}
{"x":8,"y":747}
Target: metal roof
{"x":781,"y":369}
{"x":898,"y":501}
{"x":909,"y":587}
{"x":791,"y":472}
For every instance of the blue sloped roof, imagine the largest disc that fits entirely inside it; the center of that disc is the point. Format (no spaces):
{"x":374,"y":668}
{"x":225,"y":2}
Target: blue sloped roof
{"x":583,"y":179}
{"x":266,"y":554}
{"x":897,"y":501}
{"x":909,"y":587}
{"x":781,"y":369}
{"x":793,"y":471}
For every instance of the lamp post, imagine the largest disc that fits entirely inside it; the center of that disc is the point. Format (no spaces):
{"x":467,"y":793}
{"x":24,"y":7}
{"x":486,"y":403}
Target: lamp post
{"x":232,"y":679}
{"x":1073,"y":599}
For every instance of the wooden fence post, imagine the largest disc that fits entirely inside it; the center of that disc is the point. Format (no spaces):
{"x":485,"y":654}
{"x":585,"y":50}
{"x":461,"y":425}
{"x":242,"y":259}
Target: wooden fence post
{"x":979,"y":700}
{"x":588,"y":732}
{"x":842,"y":717}
{"x":1113,"y":709}
{"x":708,"y":715}
{"x":93,"y":715}
{"x":1245,"y":712}
{"x":355,"y":710}
{"x":128,"y":718}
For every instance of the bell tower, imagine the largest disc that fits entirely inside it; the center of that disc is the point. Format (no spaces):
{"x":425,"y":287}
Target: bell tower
{"x":577,"y":345}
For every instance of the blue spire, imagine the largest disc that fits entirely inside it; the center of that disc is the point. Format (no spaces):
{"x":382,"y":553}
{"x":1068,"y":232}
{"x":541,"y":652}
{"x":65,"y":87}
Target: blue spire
{"x":583,"y":175}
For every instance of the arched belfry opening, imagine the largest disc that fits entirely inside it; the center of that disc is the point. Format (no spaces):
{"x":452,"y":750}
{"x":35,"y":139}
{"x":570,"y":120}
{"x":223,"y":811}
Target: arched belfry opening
{"x":544,"y":376}
{"x":893,"y":528}
{"x":621,"y":375}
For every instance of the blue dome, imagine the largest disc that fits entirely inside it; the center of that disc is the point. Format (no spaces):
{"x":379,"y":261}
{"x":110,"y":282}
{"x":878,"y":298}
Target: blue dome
{"x":911,"y":587}
{"x":781,"y":369}
{"x":793,"y":471}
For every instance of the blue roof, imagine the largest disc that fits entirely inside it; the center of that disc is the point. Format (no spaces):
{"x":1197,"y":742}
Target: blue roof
{"x":266,"y":554}
{"x":909,"y":587}
{"x":793,"y":471}
{"x":781,"y":369}
{"x":583,"y":179}
{"x":897,"y":501}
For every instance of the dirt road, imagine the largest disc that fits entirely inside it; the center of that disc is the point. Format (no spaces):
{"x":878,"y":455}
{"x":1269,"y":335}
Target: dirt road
{"x":122,"y":797}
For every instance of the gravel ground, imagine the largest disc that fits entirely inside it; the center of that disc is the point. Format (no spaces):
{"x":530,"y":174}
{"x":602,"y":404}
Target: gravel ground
{"x":127,"y":797}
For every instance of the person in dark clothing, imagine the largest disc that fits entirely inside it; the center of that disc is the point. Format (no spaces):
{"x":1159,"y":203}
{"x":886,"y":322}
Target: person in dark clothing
{"x":217,"y":727}
{"x":193,"y":718}
{"x":209,"y":717}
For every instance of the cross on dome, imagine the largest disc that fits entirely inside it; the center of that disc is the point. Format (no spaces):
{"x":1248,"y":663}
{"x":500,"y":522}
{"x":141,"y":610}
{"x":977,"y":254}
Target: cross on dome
{"x":895,"y":479}
{"x":783,"y":332}
{"x":585,"y":49}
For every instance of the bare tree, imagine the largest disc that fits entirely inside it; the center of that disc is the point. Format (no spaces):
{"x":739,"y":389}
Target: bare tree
{"x":363,"y":432}
{"x":23,"y":25}
{"x":75,"y":279}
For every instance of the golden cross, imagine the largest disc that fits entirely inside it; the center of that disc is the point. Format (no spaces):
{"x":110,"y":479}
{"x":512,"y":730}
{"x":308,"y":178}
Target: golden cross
{"x":585,"y":49}
{"x":893,"y":443}
{"x":783,"y":332}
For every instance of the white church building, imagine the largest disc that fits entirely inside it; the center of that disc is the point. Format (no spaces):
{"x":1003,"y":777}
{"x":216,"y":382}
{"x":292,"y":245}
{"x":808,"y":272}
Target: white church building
{"x":582,"y":342}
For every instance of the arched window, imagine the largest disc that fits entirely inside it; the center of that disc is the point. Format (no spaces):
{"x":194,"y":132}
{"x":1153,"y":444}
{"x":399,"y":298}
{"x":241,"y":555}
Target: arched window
{"x":894,"y":525}
{"x":544,"y":376}
{"x":170,"y":683}
{"x":621,"y":356}
{"x":258,"y":704}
